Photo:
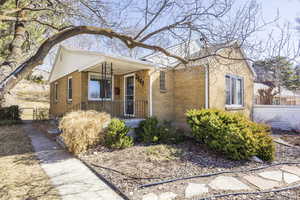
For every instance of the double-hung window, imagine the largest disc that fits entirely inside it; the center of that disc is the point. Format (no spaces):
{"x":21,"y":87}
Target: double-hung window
{"x":100,"y":87}
{"x":162,"y":81}
{"x":70,"y":90}
{"x":56,"y":92}
{"x":234,"y":90}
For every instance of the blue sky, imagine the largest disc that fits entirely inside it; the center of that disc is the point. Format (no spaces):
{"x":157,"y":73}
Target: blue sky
{"x":288,"y":10}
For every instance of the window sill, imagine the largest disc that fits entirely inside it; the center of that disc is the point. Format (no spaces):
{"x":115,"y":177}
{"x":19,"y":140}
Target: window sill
{"x":234,"y":107}
{"x":100,"y":99}
{"x":69,"y":101}
{"x":163,"y":91}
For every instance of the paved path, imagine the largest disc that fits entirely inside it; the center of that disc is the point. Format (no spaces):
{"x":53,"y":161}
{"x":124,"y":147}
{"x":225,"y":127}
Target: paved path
{"x":70,"y":176}
{"x":275,"y":177}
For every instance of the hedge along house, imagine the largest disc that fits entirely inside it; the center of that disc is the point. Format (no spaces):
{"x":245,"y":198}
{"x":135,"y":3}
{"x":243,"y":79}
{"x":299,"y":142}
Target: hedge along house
{"x":154,"y":86}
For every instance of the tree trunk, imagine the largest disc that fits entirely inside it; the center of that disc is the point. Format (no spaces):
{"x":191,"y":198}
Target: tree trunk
{"x":15,"y":56}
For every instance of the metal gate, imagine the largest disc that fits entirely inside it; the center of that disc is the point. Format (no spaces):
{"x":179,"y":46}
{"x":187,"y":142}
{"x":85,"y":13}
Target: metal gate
{"x":31,"y":113}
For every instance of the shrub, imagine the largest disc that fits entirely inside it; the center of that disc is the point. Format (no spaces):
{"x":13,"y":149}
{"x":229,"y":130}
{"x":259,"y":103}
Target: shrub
{"x":153,"y":131}
{"x":231,"y":133}
{"x":10,"y":113}
{"x":116,"y":135}
{"x":83,"y":129}
{"x":148,"y":131}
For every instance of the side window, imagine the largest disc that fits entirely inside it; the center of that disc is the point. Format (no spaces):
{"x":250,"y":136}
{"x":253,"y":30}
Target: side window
{"x":55,"y":92}
{"x":162,"y":80}
{"x":70,"y":86}
{"x":234,"y":90}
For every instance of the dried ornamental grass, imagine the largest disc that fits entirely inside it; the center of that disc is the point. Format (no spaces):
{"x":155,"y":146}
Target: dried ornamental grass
{"x":83,"y":129}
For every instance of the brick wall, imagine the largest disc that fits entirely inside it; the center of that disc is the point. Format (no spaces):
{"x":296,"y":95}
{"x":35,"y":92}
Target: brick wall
{"x":218,"y":68}
{"x":62,"y":104}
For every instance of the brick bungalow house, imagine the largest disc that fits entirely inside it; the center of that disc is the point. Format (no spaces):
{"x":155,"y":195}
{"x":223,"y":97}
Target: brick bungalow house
{"x":153,"y":86}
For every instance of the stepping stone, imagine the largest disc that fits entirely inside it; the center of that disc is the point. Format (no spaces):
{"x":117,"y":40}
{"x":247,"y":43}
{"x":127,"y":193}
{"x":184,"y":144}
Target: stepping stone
{"x":195,"y":189}
{"x":291,"y":169}
{"x":261,"y":183}
{"x":273,"y":175}
{"x":290,"y":178}
{"x":150,"y":196}
{"x":227,"y":183}
{"x":167,"y":196}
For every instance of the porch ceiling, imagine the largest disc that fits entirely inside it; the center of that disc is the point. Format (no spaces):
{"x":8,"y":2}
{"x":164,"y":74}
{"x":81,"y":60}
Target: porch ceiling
{"x":119,"y":65}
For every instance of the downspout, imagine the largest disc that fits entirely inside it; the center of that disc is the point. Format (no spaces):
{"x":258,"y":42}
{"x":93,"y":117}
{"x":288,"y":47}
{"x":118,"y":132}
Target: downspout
{"x":206,"y":86}
{"x":150,"y":94}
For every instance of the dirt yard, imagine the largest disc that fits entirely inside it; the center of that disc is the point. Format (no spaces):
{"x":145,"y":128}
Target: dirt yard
{"x":21,"y":177}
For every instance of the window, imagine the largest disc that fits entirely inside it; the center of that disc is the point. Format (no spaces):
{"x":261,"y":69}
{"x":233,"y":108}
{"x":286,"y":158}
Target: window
{"x":234,"y":90}
{"x":55,"y":91}
{"x":162,"y":80}
{"x":70,"y":88}
{"x":100,"y":87}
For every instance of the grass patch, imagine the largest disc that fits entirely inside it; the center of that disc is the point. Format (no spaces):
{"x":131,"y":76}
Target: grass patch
{"x":9,"y":122}
{"x":21,"y":176}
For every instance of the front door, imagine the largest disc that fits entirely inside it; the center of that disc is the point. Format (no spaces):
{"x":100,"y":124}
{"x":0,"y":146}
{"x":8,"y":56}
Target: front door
{"x":129,"y":95}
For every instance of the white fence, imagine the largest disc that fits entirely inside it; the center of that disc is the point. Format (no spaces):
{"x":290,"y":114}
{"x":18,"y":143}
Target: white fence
{"x":278,"y":116}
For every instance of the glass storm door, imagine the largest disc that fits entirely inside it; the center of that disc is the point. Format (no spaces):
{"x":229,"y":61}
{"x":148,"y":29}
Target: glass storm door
{"x":129,"y":95}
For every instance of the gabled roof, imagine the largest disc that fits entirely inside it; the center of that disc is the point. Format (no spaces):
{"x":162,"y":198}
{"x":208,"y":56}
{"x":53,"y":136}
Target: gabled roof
{"x":194,"y":49}
{"x":69,"y":60}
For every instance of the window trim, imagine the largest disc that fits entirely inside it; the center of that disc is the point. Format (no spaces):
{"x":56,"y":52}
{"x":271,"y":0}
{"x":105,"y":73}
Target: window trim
{"x":56,"y":92}
{"x":124,"y":95}
{"x":236,"y":77}
{"x":68,"y":89}
{"x":100,"y":99}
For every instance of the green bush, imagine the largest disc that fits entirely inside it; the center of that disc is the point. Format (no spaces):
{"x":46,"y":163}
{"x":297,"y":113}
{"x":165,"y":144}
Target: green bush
{"x":10,"y":113}
{"x":148,"y":130}
{"x":231,"y":133}
{"x":116,"y":135}
{"x":153,"y":131}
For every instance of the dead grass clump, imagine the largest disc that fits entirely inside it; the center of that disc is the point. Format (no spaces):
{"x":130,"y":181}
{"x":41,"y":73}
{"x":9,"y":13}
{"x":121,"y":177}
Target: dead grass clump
{"x":163,"y":152}
{"x":83,"y":129}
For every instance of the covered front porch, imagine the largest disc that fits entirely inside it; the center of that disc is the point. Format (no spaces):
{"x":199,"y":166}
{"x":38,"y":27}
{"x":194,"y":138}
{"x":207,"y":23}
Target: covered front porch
{"x":116,"y":85}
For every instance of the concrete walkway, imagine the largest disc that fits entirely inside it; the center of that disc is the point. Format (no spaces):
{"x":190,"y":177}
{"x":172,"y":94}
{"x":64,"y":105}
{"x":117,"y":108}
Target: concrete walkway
{"x":70,"y":176}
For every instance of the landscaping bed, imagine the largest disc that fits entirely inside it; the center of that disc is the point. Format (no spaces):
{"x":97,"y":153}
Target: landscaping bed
{"x":161,"y":162}
{"x":160,"y":153}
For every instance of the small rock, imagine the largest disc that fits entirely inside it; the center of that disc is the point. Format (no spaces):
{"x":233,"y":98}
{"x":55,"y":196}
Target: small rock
{"x":167,"y":196}
{"x":54,"y":131}
{"x":150,"y":196}
{"x":256,"y":159}
{"x":195,"y":189}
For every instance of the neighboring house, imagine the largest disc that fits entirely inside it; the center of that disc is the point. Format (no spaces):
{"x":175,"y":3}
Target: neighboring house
{"x":285,"y":97}
{"x":130,"y":88}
